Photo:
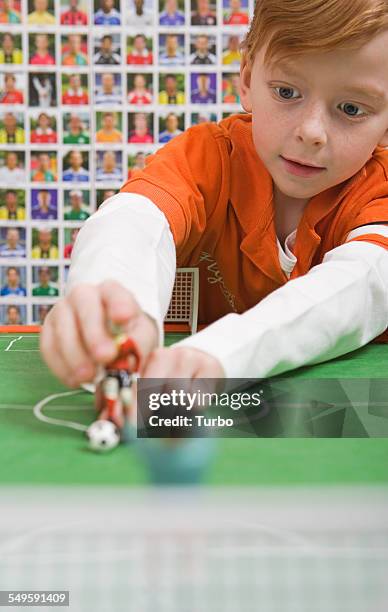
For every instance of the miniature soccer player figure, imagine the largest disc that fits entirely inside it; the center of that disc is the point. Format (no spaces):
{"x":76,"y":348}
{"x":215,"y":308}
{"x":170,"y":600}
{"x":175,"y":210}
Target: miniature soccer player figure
{"x":8,"y":53}
{"x":119,"y":378}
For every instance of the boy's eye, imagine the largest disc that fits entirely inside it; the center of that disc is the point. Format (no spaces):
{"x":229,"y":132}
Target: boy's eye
{"x":351,"y":110}
{"x":286,"y":93}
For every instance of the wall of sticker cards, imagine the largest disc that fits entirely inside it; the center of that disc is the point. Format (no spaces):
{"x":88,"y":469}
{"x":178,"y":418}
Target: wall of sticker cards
{"x":88,"y":89}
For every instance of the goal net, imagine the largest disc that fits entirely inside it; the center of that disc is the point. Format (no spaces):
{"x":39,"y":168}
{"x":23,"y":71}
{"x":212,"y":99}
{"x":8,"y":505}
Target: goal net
{"x":183,"y":310}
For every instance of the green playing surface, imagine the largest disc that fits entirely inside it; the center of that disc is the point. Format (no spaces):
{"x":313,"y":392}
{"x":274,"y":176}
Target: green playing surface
{"x":37,"y":452}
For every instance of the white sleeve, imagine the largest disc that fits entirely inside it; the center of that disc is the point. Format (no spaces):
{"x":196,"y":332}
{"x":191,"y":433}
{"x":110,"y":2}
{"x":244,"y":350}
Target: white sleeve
{"x":128,"y":240}
{"x":337,"y":307}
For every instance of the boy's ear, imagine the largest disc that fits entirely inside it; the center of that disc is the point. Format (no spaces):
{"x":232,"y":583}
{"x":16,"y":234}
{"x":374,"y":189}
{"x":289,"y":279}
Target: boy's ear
{"x":245,"y":83}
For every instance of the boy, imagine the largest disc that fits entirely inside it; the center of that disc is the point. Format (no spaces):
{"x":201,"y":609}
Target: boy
{"x":285,"y":210}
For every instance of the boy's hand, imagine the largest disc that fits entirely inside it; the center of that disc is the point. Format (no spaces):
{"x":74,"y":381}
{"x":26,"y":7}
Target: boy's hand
{"x":182,"y":362}
{"x":75,"y":338}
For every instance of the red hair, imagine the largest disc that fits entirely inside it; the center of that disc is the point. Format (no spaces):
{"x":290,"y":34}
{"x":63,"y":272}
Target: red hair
{"x":296,"y":27}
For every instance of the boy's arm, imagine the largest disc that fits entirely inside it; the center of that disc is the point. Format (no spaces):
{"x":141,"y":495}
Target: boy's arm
{"x":129,"y":241}
{"x":337,"y":307}
{"x":117,"y":274}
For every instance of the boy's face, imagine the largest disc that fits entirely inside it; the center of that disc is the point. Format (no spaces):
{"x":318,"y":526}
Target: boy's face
{"x":309,"y":112}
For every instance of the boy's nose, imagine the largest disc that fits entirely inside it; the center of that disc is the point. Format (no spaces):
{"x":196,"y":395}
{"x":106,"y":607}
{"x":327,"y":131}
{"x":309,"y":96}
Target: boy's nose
{"x":311,"y":128}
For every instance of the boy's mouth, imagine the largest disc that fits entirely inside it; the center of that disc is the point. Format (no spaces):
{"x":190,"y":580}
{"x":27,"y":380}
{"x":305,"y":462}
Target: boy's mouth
{"x":301,"y":169}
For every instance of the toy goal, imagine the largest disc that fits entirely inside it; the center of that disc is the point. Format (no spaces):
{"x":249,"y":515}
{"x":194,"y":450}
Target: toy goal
{"x":183,"y":310}
{"x":182,"y":315}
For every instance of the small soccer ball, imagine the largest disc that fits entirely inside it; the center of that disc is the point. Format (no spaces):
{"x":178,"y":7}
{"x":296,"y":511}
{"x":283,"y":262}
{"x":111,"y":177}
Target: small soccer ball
{"x":103,"y":435}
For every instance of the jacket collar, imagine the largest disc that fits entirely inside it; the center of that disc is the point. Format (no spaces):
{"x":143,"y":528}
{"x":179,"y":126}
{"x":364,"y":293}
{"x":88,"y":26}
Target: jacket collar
{"x":251,"y":184}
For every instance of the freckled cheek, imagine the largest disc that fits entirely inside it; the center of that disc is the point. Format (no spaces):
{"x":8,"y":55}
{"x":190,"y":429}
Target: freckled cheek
{"x":267,"y":134}
{"x":349,"y":154}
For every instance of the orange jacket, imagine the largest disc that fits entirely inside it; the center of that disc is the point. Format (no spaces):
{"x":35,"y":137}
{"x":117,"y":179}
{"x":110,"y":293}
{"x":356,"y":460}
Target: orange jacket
{"x":217,"y":196}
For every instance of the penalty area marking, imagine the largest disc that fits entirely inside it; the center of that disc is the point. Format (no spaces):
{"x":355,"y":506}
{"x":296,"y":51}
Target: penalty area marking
{"x":37,"y":411}
{"x":12,"y":342}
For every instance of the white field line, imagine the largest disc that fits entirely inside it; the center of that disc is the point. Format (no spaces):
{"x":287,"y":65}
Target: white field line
{"x":55,"y":407}
{"x":12,"y":342}
{"x":37,"y":410}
